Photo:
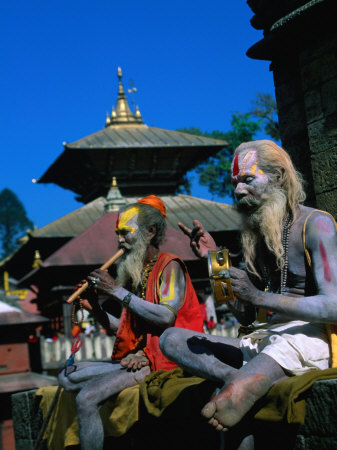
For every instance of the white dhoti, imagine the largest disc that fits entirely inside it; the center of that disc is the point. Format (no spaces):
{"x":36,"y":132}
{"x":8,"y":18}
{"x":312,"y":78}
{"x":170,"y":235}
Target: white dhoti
{"x":296,"y":346}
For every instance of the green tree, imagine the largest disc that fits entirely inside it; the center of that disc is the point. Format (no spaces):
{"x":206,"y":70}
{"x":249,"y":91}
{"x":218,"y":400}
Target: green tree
{"x":185,"y":186}
{"x":215,"y":172}
{"x":264,"y":107}
{"x":13,"y":221}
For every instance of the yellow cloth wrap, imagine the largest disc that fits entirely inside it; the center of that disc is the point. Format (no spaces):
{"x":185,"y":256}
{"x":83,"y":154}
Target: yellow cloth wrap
{"x":284,"y":401}
{"x":160,"y":389}
{"x":118,"y":415}
{"x":175,"y":391}
{"x":332,"y":333}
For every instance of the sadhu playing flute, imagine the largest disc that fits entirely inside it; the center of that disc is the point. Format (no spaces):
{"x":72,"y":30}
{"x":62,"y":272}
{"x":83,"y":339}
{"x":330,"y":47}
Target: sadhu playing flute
{"x":155,"y":292}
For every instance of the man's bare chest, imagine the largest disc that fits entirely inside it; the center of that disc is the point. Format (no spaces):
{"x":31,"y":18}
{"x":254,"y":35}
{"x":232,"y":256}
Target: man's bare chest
{"x":295,"y":272}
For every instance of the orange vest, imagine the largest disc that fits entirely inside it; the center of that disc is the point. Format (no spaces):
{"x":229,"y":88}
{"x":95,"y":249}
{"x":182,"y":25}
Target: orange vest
{"x":132,"y":330}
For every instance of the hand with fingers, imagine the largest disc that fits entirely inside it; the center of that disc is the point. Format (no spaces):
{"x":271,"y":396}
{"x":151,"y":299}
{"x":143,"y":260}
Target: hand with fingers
{"x":88,"y":299}
{"x":135,"y":361}
{"x":102,"y":281}
{"x":201,"y":240}
{"x":243,"y":288}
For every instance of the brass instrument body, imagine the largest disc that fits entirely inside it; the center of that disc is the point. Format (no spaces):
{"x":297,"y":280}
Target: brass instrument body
{"x":218,"y":272}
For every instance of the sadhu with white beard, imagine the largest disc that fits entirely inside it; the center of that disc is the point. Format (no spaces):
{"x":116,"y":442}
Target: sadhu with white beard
{"x":290,"y":254}
{"x":155,"y":292}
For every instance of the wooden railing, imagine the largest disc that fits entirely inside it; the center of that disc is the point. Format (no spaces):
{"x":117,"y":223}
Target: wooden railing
{"x":95,"y":347}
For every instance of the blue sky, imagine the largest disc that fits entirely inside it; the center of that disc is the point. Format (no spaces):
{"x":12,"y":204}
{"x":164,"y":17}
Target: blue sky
{"x":58,"y":77}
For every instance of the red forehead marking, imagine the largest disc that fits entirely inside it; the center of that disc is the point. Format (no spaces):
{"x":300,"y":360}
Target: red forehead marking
{"x":117,"y":222}
{"x":236,"y":166}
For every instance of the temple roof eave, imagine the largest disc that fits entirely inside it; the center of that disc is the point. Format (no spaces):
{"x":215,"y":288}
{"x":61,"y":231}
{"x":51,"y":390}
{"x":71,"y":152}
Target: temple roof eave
{"x":142,"y":136}
{"x":132,"y":154}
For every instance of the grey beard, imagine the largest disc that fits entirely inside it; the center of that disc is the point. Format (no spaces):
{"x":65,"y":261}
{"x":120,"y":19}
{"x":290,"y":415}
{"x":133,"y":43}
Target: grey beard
{"x":250,"y":210}
{"x":131,"y":263}
{"x":266,"y":221}
{"x":269,"y":210}
{"x":247,"y":206}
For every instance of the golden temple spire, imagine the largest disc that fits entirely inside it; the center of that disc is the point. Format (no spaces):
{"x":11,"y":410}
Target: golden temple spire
{"x":138,"y":112}
{"x":114,"y":199}
{"x":122,"y":115}
{"x":37,"y":260}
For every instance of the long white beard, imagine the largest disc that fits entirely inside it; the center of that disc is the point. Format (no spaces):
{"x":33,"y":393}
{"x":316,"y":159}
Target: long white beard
{"x":266,"y":220}
{"x":131,"y":264}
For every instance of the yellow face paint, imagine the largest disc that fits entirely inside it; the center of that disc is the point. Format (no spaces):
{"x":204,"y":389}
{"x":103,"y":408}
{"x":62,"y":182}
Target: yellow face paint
{"x":253,"y":169}
{"x":247,"y":160}
{"x":125,"y":219}
{"x":244,"y":162}
{"x":167,"y":292}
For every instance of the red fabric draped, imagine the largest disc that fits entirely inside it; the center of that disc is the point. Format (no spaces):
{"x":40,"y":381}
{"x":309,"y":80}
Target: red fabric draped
{"x":130,"y":334}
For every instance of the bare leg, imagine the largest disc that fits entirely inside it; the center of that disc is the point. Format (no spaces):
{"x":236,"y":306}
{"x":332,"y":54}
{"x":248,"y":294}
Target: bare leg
{"x":87,"y":372}
{"x":247,"y":443}
{"x":84,"y":370}
{"x":91,"y":397}
{"x":210,"y":357}
{"x":219,"y":359}
{"x":241,"y":390}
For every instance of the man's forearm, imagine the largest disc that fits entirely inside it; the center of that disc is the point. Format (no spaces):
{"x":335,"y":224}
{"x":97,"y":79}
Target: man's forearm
{"x":317,"y":308}
{"x":156,"y":314}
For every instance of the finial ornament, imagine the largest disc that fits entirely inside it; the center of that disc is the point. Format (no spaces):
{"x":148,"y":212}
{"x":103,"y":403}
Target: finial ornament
{"x":37,"y":260}
{"x":114,"y":199}
{"x":122,"y":114}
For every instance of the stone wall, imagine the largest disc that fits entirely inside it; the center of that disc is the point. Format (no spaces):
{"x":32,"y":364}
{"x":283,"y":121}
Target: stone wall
{"x":167,"y":432}
{"x":318,"y":70}
{"x":300,"y":40}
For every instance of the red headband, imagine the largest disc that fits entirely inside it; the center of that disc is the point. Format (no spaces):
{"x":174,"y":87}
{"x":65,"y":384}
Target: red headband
{"x":155,"y":202}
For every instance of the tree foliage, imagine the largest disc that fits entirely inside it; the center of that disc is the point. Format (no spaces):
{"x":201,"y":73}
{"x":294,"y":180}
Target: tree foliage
{"x":215,"y":172}
{"x":264,"y":107}
{"x":13,"y":221}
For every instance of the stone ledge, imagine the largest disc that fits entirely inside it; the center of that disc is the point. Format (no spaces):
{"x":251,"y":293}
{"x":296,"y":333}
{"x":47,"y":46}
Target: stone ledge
{"x":318,"y":432}
{"x":27,"y":419}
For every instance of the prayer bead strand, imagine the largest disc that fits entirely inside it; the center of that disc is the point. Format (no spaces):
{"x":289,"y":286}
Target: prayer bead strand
{"x":285,"y":243}
{"x":147,"y":271}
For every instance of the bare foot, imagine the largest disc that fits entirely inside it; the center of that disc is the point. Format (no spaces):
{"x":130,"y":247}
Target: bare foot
{"x":235,"y":400}
{"x":67,"y":384}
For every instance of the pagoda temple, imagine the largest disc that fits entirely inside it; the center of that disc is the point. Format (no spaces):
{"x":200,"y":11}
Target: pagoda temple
{"x":119,"y":164}
{"x":144,"y":160}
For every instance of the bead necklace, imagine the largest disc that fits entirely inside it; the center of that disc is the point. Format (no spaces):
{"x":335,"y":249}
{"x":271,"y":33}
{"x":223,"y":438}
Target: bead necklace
{"x":147,"y":271}
{"x":73,"y":313}
{"x":285,"y":243}
{"x":284,"y":269}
